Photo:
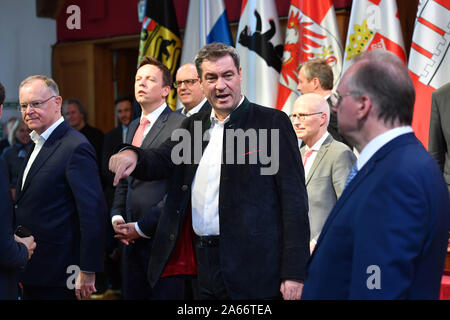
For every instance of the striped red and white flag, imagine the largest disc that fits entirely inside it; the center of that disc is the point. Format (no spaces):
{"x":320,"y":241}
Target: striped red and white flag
{"x":429,"y":59}
{"x":374,"y":24}
{"x":311,"y":33}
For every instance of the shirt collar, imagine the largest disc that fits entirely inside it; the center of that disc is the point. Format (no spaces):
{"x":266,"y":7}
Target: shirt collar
{"x":35,"y":136}
{"x":318,"y":143}
{"x":214,"y":118}
{"x":153,"y":116}
{"x":194,"y":109}
{"x":378,"y":142}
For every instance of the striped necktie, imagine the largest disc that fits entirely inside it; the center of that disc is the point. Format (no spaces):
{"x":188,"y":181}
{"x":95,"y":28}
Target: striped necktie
{"x":351,"y":175}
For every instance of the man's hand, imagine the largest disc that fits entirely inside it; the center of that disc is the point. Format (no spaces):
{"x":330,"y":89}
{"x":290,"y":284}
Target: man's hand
{"x":291,"y":290}
{"x":126,"y":233}
{"x":28,"y":242}
{"x":85,"y":285}
{"x":123,"y":164}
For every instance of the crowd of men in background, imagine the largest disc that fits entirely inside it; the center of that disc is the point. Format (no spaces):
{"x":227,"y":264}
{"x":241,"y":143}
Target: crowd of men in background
{"x":118,"y":212}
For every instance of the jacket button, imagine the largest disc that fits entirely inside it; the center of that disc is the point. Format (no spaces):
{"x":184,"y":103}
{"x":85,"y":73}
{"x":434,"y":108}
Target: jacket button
{"x":184,"y":187}
{"x":172,"y":237}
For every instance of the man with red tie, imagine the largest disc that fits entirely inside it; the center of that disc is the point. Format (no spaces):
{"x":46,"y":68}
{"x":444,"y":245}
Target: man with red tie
{"x":137,"y":204}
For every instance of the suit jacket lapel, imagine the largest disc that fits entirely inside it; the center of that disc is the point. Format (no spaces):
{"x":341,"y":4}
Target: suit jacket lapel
{"x":361,"y":175}
{"x":49,"y":147}
{"x":156,"y":128}
{"x":206,"y":125}
{"x":320,"y":154}
{"x":131,"y":131}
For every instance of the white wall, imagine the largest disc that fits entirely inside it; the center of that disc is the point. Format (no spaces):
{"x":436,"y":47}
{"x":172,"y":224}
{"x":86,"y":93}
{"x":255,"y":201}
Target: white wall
{"x":25,"y":45}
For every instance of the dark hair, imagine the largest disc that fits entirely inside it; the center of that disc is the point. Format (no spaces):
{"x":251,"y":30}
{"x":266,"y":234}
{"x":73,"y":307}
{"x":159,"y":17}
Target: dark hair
{"x":2,"y":94}
{"x":320,"y":69}
{"x":123,"y":97}
{"x":385,"y":79}
{"x":167,"y":76}
{"x":213,"y":51}
{"x":79,"y":105}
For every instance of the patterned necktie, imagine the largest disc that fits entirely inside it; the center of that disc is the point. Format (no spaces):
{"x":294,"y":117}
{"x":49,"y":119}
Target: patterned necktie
{"x":307,"y":155}
{"x":351,"y":175}
{"x":139,"y":134}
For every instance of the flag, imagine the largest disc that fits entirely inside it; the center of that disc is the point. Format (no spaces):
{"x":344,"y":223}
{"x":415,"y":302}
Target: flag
{"x":206,"y":22}
{"x":311,"y":33}
{"x":260,"y":48}
{"x":374,"y":24}
{"x":160,"y":38}
{"x":429,"y":59}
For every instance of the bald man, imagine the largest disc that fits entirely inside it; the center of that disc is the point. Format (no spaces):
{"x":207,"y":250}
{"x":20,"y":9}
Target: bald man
{"x":327,"y":162}
{"x":190,"y":91}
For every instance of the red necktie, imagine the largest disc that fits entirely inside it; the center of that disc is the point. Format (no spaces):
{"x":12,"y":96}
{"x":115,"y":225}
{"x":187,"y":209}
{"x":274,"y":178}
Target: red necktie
{"x":139,"y":134}
{"x":307,"y":155}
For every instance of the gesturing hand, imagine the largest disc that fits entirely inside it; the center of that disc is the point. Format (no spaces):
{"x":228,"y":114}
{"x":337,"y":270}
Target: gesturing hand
{"x":123,"y":164}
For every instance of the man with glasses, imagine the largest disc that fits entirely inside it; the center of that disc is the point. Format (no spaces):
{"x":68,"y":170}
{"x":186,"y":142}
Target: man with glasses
{"x":189,"y":91}
{"x":59,"y":199}
{"x":327,"y":162}
{"x":386,"y":237}
{"x":316,"y":76}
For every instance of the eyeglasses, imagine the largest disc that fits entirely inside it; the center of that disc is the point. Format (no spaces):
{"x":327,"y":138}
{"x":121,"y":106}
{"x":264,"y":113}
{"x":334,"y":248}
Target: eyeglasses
{"x":302,"y":116}
{"x":187,"y":82}
{"x":33,"y":105}
{"x":336,"y":98}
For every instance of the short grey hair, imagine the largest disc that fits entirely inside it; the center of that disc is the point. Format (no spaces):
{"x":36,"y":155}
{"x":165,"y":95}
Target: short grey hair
{"x":49,"y":82}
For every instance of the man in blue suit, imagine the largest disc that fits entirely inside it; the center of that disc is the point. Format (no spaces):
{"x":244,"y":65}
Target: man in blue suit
{"x":386,"y":237}
{"x":13,"y":254}
{"x":59,"y":199}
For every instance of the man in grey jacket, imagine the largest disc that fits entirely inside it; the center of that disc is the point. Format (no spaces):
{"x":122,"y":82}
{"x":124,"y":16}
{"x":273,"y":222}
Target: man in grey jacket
{"x":327,"y":162}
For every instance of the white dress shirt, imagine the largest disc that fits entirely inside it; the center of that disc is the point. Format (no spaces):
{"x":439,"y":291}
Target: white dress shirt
{"x":378,"y":142}
{"x":39,"y":141}
{"x":152,"y":117}
{"x":313,"y":155}
{"x":194,"y":109}
{"x":205,"y":186}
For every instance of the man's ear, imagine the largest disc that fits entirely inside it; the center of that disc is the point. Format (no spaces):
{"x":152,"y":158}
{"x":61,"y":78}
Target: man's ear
{"x":1,"y":109}
{"x":316,"y":83}
{"x":364,"y":106}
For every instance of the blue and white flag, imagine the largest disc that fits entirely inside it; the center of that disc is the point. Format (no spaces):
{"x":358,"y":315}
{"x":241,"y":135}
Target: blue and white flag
{"x":206,"y":22}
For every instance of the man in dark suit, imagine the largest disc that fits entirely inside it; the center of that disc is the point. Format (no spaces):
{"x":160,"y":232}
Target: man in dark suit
{"x":316,"y":76}
{"x":14,"y":251}
{"x":139,"y":202}
{"x":386,"y":237}
{"x":76,"y":115}
{"x":59,"y":199}
{"x":248,"y":217}
{"x":189,"y":91}
{"x":439,"y":137}
{"x":113,"y":139}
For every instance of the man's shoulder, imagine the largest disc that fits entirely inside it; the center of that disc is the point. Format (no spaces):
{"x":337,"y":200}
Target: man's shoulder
{"x":442,"y":91}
